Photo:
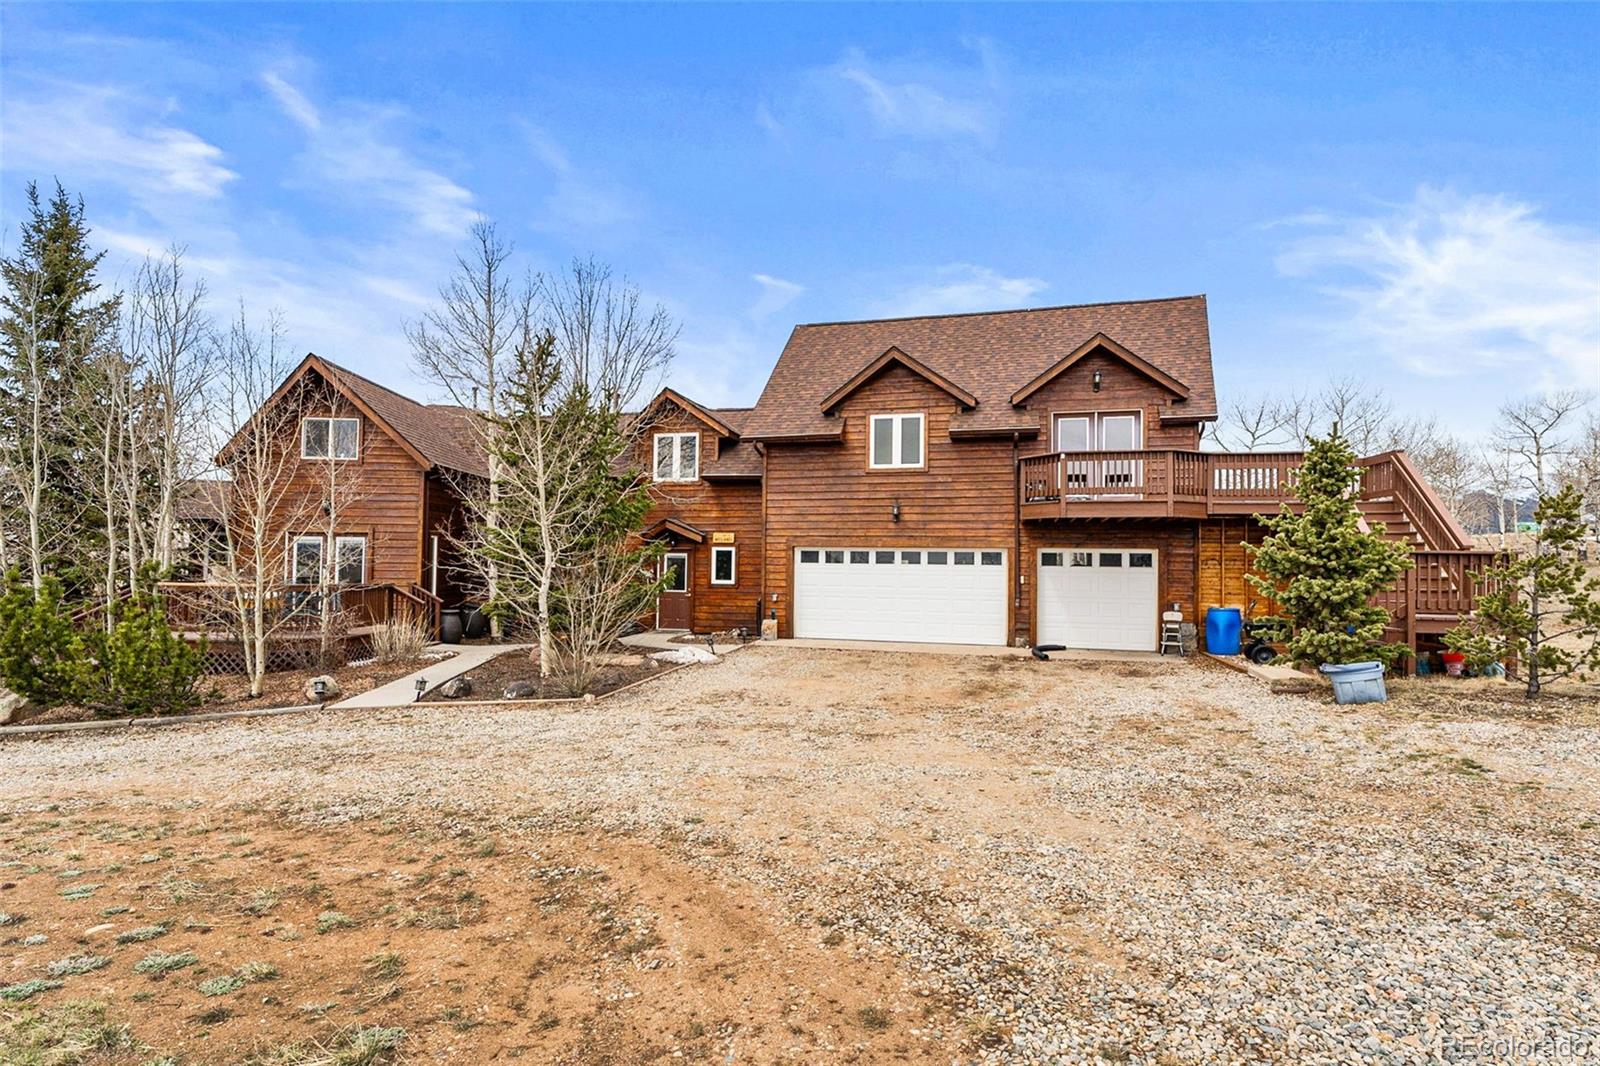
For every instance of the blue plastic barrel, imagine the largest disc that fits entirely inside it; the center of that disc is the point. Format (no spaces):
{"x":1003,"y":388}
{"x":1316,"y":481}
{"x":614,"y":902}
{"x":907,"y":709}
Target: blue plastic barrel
{"x":1222,"y":630}
{"x":1356,"y":682}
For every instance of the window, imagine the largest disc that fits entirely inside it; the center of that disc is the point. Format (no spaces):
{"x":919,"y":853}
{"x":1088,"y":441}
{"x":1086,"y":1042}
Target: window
{"x":938,"y":558}
{"x":884,"y":558}
{"x":677,"y":456}
{"x":305,"y":561}
{"x":993,"y":559}
{"x":1050,"y":559}
{"x":723,"y":571}
{"x":350,"y":555}
{"x":833,"y":557}
{"x":859,"y":557}
{"x":1112,"y":559}
{"x":1141,"y":559}
{"x":1082,"y":559}
{"x":330,"y":438}
{"x":965,"y":558}
{"x":675,"y":571}
{"x":896,"y":441}
{"x":912,"y":558}
{"x":810,"y":555}
{"x":1099,"y":432}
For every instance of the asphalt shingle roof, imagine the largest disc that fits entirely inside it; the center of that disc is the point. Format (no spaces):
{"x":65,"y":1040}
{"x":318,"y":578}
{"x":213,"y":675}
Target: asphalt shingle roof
{"x":992,"y":354}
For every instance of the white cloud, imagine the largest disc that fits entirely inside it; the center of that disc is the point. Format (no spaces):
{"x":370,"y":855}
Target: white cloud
{"x":903,"y":99}
{"x":959,"y":287}
{"x":577,"y":201}
{"x":1451,"y":284}
{"x":776,"y":294}
{"x":352,"y":147}
{"x":103,"y":133}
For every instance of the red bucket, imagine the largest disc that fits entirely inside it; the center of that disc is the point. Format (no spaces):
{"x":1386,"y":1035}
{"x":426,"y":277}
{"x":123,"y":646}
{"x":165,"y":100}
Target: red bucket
{"x":1455,"y":663}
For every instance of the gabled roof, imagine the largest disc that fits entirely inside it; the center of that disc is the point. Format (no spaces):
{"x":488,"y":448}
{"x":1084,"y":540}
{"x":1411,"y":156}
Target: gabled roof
{"x":991,"y":355}
{"x":1101,"y":342}
{"x":707,"y":415}
{"x":678,"y":528}
{"x":890,"y":358}
{"x":437,"y":436}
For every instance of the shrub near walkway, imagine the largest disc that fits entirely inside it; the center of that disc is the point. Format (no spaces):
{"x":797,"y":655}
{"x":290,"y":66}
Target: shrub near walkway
{"x":1088,"y":861}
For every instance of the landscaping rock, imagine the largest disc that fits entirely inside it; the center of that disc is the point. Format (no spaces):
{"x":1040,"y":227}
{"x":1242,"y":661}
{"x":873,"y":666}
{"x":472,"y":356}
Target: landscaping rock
{"x":521,"y":690}
{"x":620,"y":659}
{"x":456,"y":688}
{"x":11,"y":705}
{"x":686,"y":654}
{"x":331,"y":692}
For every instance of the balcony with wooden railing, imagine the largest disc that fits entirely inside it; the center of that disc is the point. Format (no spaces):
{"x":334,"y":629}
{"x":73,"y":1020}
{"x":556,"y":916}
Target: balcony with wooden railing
{"x":1171,"y":483}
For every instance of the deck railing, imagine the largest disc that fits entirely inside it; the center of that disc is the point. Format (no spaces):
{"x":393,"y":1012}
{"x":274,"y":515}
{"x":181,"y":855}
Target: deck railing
{"x":1157,"y":475}
{"x":213,"y":608}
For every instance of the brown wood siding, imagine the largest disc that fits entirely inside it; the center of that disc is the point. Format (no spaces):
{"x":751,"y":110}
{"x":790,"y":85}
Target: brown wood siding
{"x":816,"y":493}
{"x":383,"y":491}
{"x":1222,"y":563}
{"x":716,"y":506}
{"x":1121,"y":389}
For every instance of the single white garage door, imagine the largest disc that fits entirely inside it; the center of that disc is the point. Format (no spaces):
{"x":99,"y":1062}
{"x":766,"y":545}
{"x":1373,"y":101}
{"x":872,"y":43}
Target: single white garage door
{"x":934,"y":596}
{"x":1098,"y":599}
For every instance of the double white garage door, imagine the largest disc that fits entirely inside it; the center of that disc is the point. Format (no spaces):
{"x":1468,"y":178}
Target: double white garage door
{"x":1086,"y":599}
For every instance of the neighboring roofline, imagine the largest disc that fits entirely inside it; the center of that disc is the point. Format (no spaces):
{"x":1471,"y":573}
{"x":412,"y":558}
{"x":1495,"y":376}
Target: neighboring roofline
{"x":704,"y":414}
{"x":1005,"y":311}
{"x":680,"y":528}
{"x":1098,"y":341}
{"x":331,"y":373}
{"x":893,"y":354}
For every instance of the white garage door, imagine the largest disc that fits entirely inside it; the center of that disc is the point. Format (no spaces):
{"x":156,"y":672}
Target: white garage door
{"x":934,"y":596}
{"x":1098,"y":598}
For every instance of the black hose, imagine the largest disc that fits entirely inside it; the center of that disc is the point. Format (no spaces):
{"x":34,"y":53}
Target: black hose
{"x":1039,"y":651}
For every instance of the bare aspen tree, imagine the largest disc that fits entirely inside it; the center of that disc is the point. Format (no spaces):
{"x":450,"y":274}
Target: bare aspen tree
{"x":27,"y":441}
{"x":336,"y":488}
{"x":1255,"y":423}
{"x":168,"y":337}
{"x":1534,"y":429}
{"x":262,"y":501}
{"x":465,"y":346}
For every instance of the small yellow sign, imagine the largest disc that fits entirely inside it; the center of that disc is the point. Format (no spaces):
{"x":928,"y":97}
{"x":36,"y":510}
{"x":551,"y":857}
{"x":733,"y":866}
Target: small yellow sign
{"x":722,"y":538}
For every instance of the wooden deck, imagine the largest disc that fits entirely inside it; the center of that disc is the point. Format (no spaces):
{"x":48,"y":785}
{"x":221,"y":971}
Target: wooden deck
{"x":203,"y":609}
{"x":1442,"y":588}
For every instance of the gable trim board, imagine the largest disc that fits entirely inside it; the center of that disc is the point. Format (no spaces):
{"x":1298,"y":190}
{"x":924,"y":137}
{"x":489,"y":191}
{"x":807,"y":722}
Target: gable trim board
{"x":1098,"y":343}
{"x":890,"y":357}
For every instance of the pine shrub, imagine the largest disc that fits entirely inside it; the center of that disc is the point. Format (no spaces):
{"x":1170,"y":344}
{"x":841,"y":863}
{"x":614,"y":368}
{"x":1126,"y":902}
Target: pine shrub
{"x":41,"y":655}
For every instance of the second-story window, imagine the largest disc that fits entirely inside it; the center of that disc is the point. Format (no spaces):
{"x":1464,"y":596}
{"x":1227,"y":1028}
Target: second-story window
{"x":896,"y":441}
{"x":330,"y":438}
{"x":677,"y":456}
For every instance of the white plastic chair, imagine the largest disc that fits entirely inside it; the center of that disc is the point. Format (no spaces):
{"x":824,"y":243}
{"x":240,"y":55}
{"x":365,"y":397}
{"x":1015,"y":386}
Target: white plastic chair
{"x":1172,"y":632}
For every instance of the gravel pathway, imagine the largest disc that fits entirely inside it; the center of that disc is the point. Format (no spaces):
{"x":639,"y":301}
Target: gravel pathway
{"x":1094,"y":861}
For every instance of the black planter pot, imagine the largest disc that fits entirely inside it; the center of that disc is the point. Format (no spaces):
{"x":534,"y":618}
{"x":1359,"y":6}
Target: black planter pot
{"x":477,"y":623}
{"x":450,"y":626}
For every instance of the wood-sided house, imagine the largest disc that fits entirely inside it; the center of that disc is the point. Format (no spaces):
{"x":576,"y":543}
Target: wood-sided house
{"x":1011,"y":477}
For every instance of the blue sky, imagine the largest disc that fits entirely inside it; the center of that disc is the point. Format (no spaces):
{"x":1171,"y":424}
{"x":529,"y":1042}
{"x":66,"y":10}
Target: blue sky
{"x":1407,"y":194}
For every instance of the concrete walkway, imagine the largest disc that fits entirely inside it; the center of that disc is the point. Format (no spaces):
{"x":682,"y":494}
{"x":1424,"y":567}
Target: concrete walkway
{"x":656,"y":639}
{"x":402,"y":691}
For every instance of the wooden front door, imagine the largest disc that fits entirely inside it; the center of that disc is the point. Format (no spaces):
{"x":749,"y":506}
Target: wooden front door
{"x":672,"y":611}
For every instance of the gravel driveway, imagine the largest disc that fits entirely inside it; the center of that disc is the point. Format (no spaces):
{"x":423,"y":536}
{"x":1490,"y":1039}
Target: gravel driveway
{"x":1092,"y":861}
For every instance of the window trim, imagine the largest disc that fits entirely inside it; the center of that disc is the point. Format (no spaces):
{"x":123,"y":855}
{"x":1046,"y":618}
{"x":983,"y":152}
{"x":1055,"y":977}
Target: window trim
{"x":330,"y":419}
{"x":733,"y":564}
{"x":666,"y":563}
{"x":338,"y":541}
{"x":1096,"y":434}
{"x":677,"y":458}
{"x":295,"y":540}
{"x":896,"y":418}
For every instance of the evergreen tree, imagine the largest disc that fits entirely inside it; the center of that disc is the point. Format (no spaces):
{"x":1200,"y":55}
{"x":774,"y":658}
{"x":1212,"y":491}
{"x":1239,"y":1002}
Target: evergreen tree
{"x":42,"y":658}
{"x":49,"y":300}
{"x":139,"y":665}
{"x":1541,"y":612}
{"x":1324,"y":570}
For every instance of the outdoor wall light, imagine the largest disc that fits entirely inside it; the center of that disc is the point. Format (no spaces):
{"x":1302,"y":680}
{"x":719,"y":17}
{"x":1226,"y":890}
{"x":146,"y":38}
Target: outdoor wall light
{"x":894,"y":510}
{"x":422,"y":686}
{"x":319,"y":688}
{"x":1096,"y":381}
